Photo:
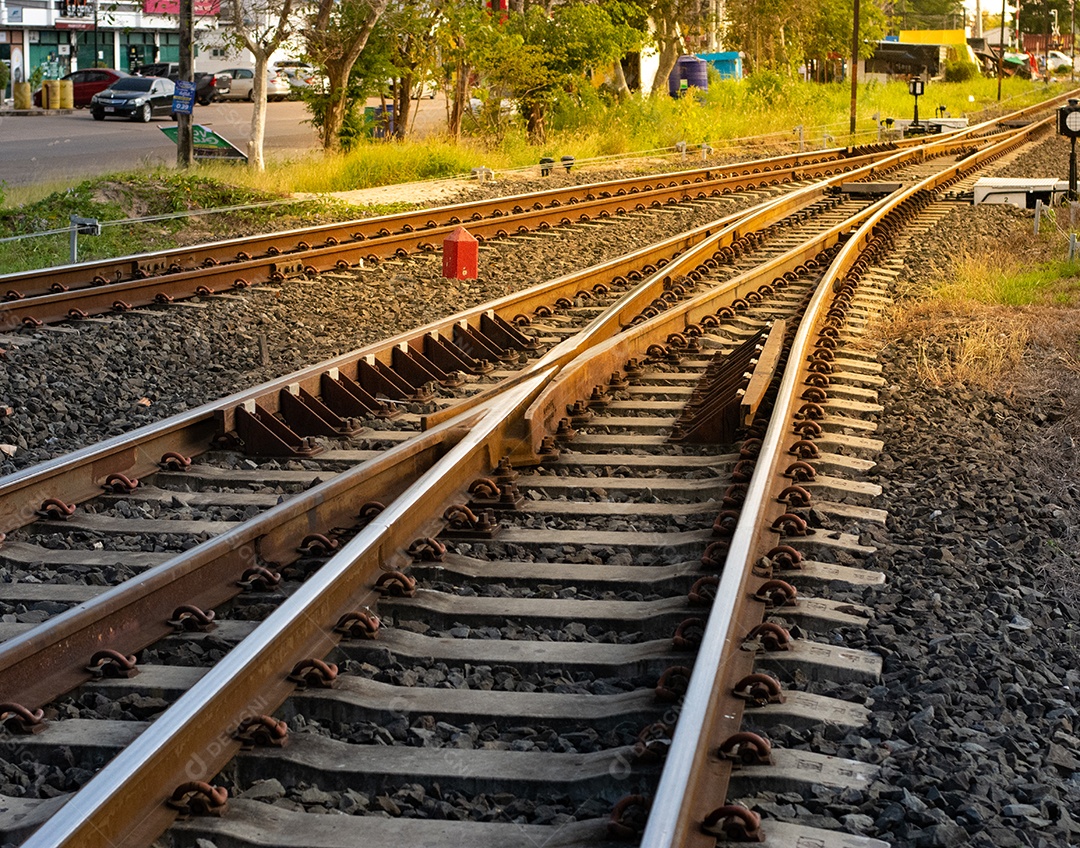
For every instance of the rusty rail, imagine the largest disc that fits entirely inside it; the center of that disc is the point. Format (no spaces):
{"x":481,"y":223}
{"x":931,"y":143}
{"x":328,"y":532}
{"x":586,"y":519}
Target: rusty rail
{"x":694,"y":779}
{"x":109,"y":285}
{"x":125,"y":803}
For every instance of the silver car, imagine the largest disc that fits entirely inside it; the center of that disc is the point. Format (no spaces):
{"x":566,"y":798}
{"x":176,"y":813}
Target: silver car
{"x":243,"y":84}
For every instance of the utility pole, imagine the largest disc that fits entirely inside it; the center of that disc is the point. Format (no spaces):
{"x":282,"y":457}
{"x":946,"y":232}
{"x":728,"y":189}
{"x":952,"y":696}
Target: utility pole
{"x":1001,"y":49}
{"x":854,"y":68}
{"x":184,"y":143}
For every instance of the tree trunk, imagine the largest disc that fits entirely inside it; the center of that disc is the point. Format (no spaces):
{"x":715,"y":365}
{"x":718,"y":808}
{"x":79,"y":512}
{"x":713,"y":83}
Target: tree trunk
{"x":534,"y":121}
{"x":669,"y":55}
{"x":622,"y":90}
{"x":339,"y":63}
{"x":258,"y":113}
{"x":403,"y":106}
{"x":459,"y":102}
{"x":337,"y":78}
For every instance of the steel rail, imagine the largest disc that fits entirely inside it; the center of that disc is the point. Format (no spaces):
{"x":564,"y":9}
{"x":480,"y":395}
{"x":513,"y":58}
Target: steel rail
{"x":38,"y":667}
{"x":575,"y":383}
{"x":285,"y":242}
{"x":576,"y":380}
{"x":125,"y":803}
{"x":50,"y":659}
{"x":708,"y":714}
{"x":186,"y":742}
{"x":687,"y":261}
{"x":79,"y":475}
{"x":65,"y":302}
{"x":198,"y":717}
{"x":161,"y":278}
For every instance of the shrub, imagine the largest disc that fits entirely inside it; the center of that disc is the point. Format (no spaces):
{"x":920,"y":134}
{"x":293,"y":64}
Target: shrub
{"x":765,"y":85}
{"x":960,"y":71}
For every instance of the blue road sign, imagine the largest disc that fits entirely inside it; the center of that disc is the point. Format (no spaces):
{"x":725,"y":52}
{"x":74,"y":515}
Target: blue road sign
{"x":184,"y":97}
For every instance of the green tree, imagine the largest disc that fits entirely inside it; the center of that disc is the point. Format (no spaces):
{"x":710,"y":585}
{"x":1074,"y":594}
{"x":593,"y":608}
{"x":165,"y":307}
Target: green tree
{"x":413,"y":28}
{"x":765,"y":31}
{"x":928,"y":14}
{"x":634,"y":16}
{"x":670,"y":19}
{"x":336,"y":34}
{"x":260,"y":26}
{"x":463,"y":40}
{"x":828,"y":30}
{"x":539,"y":57}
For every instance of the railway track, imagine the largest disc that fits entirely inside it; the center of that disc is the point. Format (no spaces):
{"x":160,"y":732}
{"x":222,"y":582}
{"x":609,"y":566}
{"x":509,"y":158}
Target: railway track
{"x":77,"y":292}
{"x":559,"y":589}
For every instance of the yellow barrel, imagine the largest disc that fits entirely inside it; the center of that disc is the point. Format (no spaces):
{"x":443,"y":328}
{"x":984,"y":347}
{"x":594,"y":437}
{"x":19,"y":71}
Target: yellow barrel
{"x":21,"y":93}
{"x":50,"y":94}
{"x":67,"y":94}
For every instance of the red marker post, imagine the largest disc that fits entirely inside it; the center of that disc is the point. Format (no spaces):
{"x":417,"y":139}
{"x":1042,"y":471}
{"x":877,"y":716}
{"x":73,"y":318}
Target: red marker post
{"x":461,"y":255}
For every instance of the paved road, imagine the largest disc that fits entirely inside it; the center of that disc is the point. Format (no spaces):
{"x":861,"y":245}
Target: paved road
{"x":47,"y":148}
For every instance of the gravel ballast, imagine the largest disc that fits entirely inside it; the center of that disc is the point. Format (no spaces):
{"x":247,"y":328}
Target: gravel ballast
{"x":974,"y":722}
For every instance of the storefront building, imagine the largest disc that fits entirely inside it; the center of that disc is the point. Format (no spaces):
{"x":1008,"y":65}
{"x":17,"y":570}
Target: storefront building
{"x":60,"y":36}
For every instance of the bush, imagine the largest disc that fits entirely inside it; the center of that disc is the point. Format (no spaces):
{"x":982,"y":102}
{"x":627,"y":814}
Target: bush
{"x":767,"y":85}
{"x":960,"y":71}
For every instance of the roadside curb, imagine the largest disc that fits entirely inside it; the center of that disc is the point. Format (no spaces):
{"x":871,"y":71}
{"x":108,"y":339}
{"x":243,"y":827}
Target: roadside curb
{"x":27,"y":113}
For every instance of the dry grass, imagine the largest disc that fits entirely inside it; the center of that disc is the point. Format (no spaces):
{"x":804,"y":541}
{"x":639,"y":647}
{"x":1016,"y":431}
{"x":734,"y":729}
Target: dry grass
{"x":1005,"y":317}
{"x":969,"y":343}
{"x":973,"y":322}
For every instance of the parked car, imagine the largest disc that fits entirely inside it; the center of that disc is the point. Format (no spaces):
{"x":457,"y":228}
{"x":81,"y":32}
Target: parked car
{"x":426,"y":89}
{"x":299,"y":75}
{"x":137,"y":98}
{"x":1059,"y":60}
{"x":242,"y":84}
{"x":85,"y":84}
{"x":207,"y":87}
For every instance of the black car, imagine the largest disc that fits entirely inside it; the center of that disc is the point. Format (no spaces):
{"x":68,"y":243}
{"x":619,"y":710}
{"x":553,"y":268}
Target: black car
{"x":137,"y":98}
{"x":208,"y":87}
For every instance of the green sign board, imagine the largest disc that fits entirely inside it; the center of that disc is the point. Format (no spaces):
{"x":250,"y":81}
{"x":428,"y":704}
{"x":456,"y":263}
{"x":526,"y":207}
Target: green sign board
{"x":208,"y":144}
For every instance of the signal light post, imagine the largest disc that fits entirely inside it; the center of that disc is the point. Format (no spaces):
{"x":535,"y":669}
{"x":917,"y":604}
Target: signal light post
{"x":916,"y":87}
{"x":1068,"y":125}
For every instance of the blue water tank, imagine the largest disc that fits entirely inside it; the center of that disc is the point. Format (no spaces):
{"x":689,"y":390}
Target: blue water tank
{"x":692,"y":71}
{"x":727,"y":63}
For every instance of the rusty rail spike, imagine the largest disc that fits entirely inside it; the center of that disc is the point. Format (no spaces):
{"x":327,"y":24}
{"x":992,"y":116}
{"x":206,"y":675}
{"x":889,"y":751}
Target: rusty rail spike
{"x":758,"y":690}
{"x":746,"y":748}
{"x":262,"y":731}
{"x":358,"y":624}
{"x":259,"y":578}
{"x":21,"y":721}
{"x":112,"y":664}
{"x":776,"y":593}
{"x":395,"y":584}
{"x":192,"y":619}
{"x":618,"y":825}
{"x":734,"y":823}
{"x":198,"y":798}
{"x":314,"y":673}
{"x":427,"y":550}
{"x":771,"y":636}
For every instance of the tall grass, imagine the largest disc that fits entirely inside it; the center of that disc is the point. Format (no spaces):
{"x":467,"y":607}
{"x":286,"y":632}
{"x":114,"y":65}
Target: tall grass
{"x":587,"y":126}
{"x":974,"y":326}
{"x":1001,"y":279}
